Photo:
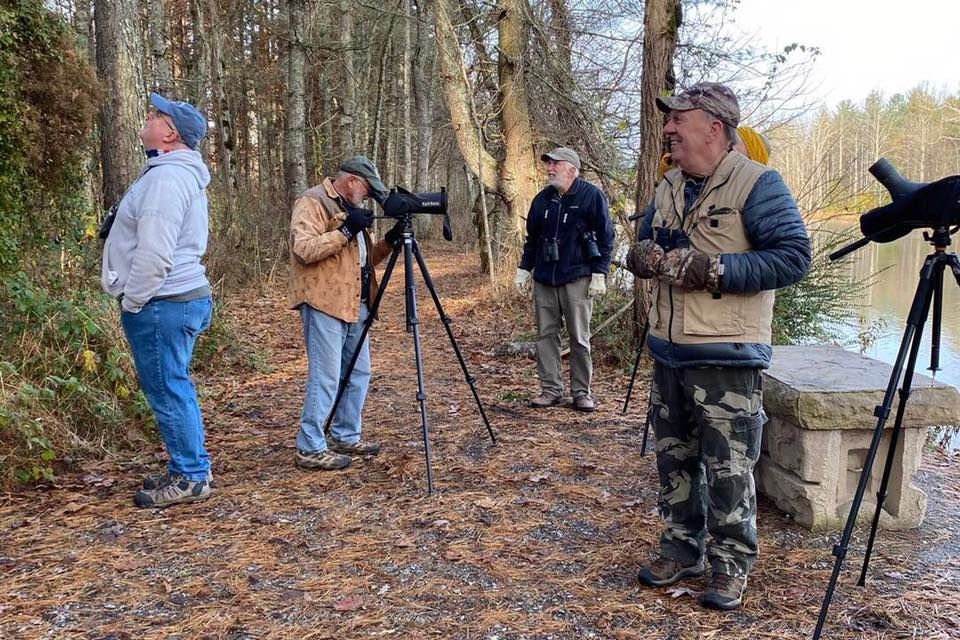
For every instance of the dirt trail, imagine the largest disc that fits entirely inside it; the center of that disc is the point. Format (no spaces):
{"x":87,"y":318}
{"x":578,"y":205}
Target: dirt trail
{"x":538,"y":536}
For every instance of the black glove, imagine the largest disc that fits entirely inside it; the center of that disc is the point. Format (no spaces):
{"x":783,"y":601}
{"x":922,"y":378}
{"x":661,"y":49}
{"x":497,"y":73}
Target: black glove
{"x":357,"y":220}
{"x":394,"y":235}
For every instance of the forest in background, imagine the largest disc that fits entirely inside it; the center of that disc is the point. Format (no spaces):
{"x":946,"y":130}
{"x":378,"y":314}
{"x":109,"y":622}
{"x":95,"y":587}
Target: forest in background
{"x":463,"y":94}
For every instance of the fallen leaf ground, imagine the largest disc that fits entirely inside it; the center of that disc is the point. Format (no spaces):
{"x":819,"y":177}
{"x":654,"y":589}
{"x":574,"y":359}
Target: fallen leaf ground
{"x":536,"y":537}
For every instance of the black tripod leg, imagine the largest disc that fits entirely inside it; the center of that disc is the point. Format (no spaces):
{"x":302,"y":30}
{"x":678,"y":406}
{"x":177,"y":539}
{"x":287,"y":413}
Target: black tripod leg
{"x":453,"y":341}
{"x":937,"y":315}
{"x":413,"y":325}
{"x":647,"y":423}
{"x":633,"y":377}
{"x":914,"y":321}
{"x":937,"y":295}
{"x":345,"y":379}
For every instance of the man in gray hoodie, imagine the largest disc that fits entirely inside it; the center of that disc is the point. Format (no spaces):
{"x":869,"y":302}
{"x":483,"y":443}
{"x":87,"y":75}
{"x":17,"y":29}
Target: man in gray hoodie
{"x":151,"y":265}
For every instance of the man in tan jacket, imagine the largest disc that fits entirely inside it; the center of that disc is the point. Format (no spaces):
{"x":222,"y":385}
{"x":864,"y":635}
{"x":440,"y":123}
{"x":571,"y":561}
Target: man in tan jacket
{"x":333,"y":284}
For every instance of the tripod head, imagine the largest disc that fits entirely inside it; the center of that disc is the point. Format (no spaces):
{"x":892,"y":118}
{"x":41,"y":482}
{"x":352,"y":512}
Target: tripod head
{"x":915,"y":205}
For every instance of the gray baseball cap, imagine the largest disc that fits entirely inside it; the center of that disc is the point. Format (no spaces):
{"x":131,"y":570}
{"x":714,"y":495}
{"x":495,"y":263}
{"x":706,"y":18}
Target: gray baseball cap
{"x":713,"y":97}
{"x":562,"y":153}
{"x":363,"y":167}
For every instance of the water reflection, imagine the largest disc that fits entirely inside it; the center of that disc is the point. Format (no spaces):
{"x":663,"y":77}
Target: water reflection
{"x":885,"y":305}
{"x":887,"y":302}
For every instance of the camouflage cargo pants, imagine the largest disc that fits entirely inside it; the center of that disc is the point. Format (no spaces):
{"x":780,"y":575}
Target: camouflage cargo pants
{"x":708,"y":423}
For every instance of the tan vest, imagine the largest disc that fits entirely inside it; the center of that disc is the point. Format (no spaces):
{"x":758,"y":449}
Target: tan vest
{"x":714,"y":225}
{"x":324,"y":266}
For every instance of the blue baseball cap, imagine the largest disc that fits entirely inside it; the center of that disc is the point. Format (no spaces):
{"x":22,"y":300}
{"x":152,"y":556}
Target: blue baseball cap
{"x":190,"y":123}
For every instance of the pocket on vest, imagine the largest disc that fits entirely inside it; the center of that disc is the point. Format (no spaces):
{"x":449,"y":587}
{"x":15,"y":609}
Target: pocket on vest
{"x":704,"y":315}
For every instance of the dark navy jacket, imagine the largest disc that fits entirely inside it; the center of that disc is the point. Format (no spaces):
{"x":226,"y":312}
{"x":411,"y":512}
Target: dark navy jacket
{"x":780,"y":257}
{"x":582,"y":208}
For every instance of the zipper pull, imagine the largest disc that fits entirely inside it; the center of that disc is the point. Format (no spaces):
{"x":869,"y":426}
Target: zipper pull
{"x":564,"y":218}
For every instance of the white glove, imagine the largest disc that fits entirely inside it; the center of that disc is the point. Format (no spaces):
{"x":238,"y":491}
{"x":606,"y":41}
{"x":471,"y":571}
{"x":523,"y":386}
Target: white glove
{"x":598,"y":285}
{"x":524,"y":281}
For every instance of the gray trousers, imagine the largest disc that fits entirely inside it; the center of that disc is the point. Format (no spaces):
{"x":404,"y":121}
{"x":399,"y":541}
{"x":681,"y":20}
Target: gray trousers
{"x":568,"y":304}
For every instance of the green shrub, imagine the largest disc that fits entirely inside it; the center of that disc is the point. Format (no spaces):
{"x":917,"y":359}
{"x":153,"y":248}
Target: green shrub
{"x":67,"y":383}
{"x":814,"y":309}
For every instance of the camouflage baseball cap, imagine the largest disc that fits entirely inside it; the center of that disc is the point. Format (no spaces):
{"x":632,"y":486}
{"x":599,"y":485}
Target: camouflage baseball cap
{"x":712,"y":97}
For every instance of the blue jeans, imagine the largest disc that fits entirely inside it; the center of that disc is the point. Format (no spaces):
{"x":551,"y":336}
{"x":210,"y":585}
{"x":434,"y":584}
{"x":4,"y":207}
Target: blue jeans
{"x":331,"y":344}
{"x":162,"y":337}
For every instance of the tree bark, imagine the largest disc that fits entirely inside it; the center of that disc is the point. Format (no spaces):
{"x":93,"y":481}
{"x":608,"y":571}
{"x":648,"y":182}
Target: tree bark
{"x":120,"y":69}
{"x":458,"y":96}
{"x":661,"y":23}
{"x":519,"y":175}
{"x":224,"y":116}
{"x":423,"y":83}
{"x":406,"y":97}
{"x":348,"y":99}
{"x":295,"y":143}
{"x":161,"y":79}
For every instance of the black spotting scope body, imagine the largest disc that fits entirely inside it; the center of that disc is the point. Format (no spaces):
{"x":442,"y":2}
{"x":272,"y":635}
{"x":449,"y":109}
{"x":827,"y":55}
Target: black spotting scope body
{"x":915,"y":205}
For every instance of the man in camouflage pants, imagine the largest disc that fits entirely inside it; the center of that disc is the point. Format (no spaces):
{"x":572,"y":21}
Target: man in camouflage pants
{"x":721,"y":235}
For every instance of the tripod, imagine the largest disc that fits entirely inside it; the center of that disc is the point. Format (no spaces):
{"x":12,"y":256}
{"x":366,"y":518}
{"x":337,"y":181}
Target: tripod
{"x":929,"y":293}
{"x":648,"y":420}
{"x":411,"y":251}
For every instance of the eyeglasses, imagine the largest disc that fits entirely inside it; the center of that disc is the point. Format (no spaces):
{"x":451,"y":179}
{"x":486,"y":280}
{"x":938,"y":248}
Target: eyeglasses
{"x":367,"y":189}
{"x":153,"y":114}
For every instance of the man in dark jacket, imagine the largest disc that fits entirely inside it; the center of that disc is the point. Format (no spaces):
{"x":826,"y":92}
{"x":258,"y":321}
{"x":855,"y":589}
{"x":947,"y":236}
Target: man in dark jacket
{"x":567,"y":256}
{"x":722,"y":234}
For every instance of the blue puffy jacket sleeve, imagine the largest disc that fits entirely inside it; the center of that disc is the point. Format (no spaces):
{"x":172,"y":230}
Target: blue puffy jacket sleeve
{"x":645,"y":230}
{"x":781,"y":245}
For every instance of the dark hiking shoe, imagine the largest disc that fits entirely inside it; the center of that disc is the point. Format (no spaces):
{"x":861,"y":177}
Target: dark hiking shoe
{"x":724,"y":592}
{"x":666,"y":571}
{"x":175,"y":490}
{"x":323,"y":460}
{"x":545,"y":400}
{"x":358,"y":448}
{"x":584,"y":403}
{"x":154,"y":480}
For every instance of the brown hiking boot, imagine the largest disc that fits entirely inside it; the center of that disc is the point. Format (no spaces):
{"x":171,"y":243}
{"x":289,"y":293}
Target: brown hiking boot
{"x":584,"y":403}
{"x":358,"y":448}
{"x":323,"y":460}
{"x":666,"y":571}
{"x":724,"y":592}
{"x":545,"y":400}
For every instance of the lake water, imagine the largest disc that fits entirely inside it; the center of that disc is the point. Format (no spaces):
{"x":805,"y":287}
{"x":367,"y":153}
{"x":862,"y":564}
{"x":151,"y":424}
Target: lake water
{"x":885,"y":305}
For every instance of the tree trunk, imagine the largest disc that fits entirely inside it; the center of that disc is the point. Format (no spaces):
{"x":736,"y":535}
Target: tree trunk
{"x":161,"y":79}
{"x":660,"y":24}
{"x":200,"y":61}
{"x":406,"y":98}
{"x":295,"y":151}
{"x":519,"y":175}
{"x":120,"y":69}
{"x":458,"y":96}
{"x":423,"y":73}
{"x":224,"y":117}
{"x":348,"y":100}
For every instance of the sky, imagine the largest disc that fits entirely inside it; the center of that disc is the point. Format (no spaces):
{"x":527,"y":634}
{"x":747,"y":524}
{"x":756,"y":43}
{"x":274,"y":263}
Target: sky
{"x":864,"y":44}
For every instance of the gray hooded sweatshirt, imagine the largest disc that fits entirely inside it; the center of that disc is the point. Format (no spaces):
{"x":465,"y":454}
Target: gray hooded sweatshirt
{"x":160,"y":232}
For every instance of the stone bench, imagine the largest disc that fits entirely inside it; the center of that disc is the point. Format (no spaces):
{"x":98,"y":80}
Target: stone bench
{"x":820,"y":401}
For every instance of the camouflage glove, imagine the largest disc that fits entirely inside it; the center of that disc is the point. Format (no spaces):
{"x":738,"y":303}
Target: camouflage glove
{"x":690,"y":269}
{"x":644,"y":259}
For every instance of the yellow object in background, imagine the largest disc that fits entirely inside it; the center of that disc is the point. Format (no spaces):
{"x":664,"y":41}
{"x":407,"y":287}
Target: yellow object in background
{"x":756,"y":146}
